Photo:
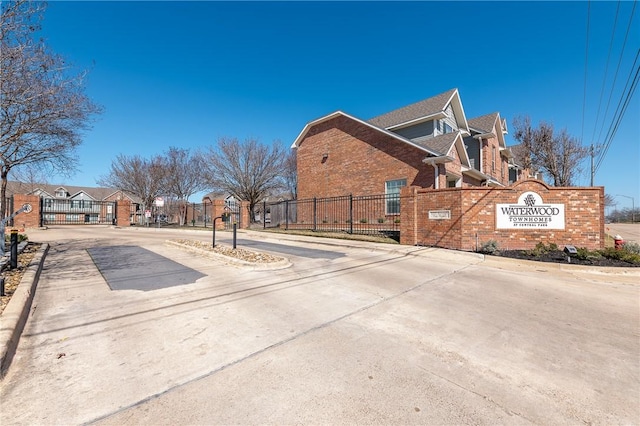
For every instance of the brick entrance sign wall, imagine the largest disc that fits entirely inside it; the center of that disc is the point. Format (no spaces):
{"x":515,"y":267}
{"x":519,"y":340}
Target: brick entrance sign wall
{"x":516,"y":217}
{"x":24,"y":219}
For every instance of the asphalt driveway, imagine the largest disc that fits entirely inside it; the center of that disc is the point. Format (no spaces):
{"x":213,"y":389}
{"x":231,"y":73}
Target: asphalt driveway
{"x":372,"y":335}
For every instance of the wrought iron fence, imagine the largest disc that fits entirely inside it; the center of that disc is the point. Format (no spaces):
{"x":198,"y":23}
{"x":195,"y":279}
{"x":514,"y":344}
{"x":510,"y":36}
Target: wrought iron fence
{"x":77,"y":212}
{"x":8,"y":202}
{"x":367,"y":215}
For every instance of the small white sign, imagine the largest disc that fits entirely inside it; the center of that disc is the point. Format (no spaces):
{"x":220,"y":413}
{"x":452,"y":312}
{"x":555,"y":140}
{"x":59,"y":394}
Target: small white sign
{"x":147,"y":213}
{"x":530,"y":213}
{"x":109,"y":209}
{"x":159,"y":202}
{"x":439,"y":214}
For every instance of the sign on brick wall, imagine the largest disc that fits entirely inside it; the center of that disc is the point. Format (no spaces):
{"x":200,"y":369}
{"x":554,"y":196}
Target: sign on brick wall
{"x":530,"y":213}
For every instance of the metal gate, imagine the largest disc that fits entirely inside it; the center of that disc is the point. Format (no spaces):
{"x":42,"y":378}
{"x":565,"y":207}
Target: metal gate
{"x":77,"y":212}
{"x":234,"y":207}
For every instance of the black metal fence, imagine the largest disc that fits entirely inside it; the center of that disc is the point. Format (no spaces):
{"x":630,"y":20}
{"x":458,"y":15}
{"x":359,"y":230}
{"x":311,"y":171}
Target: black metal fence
{"x":77,"y":212}
{"x":8,"y":201}
{"x":367,"y":215}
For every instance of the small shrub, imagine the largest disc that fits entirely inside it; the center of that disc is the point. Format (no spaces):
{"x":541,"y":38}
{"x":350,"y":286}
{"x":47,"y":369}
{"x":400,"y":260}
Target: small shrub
{"x":541,"y":249}
{"x":381,"y":220}
{"x":21,"y":238}
{"x":363,"y":220}
{"x":489,"y":247}
{"x":632,"y":247}
{"x":620,"y":254}
{"x":584,"y":254}
{"x":396,"y":221}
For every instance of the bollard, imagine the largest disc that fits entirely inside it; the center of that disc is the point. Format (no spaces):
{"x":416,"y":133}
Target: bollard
{"x":13,"y":261}
{"x":214,"y":231}
{"x":618,"y":242}
{"x":234,"y":235}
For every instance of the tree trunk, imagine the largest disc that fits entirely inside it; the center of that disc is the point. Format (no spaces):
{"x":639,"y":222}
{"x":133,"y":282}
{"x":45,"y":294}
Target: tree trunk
{"x":3,"y":193}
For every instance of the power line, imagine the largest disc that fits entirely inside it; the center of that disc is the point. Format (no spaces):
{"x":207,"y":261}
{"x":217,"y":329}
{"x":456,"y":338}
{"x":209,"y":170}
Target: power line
{"x":615,"y":77}
{"x":606,"y":71}
{"x":586,"y":63}
{"x":622,"y":108}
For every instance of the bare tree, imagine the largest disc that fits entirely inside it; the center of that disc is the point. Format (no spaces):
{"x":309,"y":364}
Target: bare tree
{"x":43,"y":106}
{"x":184,"y":176}
{"x":609,"y":200}
{"x":555,"y":153}
{"x":247,"y":170}
{"x":144,"y":178}
{"x":290,"y":174}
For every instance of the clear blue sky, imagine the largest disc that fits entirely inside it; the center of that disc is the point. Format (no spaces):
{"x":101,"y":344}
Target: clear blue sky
{"x":185,"y":73}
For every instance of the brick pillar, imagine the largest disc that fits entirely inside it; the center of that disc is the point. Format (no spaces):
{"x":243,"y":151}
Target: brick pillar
{"x":245,"y":217}
{"x":408,"y":215}
{"x":217,"y":208}
{"x":123,"y":213}
{"x":24,"y":219}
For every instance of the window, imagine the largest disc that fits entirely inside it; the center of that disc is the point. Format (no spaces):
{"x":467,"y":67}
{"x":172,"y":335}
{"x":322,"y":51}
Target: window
{"x":392,"y":191}
{"x":446,"y":128}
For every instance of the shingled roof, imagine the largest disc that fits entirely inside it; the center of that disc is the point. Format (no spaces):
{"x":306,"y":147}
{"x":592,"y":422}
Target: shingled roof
{"x":99,"y":194}
{"x":441,"y":144}
{"x":414,"y":111}
{"x":484,"y":123}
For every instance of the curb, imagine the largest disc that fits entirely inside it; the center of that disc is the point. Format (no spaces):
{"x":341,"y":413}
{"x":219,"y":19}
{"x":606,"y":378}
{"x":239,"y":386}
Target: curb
{"x":15,"y":314}
{"x":283,"y":264}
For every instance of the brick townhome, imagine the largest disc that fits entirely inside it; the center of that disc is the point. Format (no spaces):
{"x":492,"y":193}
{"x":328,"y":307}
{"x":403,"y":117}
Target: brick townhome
{"x":429,"y":144}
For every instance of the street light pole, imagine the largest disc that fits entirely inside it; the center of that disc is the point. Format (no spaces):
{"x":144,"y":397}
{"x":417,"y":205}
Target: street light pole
{"x":633,"y":207}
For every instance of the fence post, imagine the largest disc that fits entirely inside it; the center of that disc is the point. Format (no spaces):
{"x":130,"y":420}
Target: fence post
{"x":315,"y":212}
{"x":264,"y":215}
{"x":351,"y":213}
{"x":286,"y":215}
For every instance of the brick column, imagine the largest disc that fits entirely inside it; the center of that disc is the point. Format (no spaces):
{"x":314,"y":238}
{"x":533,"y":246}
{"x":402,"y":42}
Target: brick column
{"x":123,"y":213}
{"x":217,"y":208}
{"x":24,"y":219}
{"x":408,"y":215}
{"x":245,"y":217}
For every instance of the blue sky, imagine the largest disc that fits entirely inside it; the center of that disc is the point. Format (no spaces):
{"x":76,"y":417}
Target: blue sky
{"x":186,"y":73}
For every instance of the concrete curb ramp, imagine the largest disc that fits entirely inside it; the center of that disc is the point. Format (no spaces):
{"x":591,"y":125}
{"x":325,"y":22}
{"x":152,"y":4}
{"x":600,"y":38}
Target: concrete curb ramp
{"x":283,"y":264}
{"x":14,"y":317}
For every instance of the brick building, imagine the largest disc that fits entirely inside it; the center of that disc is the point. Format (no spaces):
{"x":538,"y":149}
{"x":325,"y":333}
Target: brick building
{"x":429,"y":144}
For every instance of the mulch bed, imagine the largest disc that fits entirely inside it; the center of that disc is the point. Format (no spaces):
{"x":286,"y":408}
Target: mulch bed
{"x":559,"y":256}
{"x":12,"y":277}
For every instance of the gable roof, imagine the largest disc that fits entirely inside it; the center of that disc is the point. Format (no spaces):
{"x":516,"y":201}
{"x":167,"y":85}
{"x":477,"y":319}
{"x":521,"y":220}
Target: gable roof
{"x":484,"y":123}
{"x":100,"y":194}
{"x":336,"y":114}
{"x":430,"y":108}
{"x":441,"y":143}
{"x":490,"y":124}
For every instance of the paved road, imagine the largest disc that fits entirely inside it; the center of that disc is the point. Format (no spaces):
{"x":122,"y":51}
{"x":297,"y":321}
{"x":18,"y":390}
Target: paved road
{"x":628,"y":232}
{"x":411,"y":336}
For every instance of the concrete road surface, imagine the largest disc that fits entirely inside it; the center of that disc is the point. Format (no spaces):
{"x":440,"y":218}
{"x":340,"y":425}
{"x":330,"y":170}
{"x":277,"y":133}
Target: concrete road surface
{"x":371,"y":334}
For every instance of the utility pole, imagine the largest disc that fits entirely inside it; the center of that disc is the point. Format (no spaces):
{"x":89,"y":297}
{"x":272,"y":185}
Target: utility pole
{"x":593,"y":171}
